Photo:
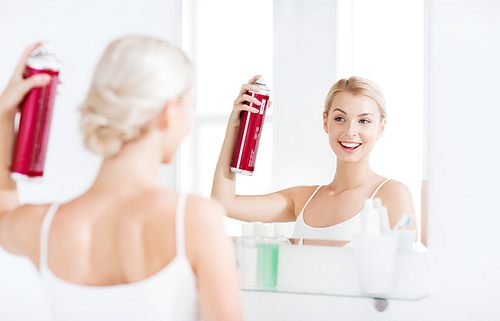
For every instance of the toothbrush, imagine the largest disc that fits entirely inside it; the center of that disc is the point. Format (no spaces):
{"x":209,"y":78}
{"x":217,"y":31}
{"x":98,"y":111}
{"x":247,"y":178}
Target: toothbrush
{"x":403,"y":221}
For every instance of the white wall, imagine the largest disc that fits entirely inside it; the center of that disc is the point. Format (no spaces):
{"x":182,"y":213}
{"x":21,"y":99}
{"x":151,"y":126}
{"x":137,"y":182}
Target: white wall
{"x":462,"y":79}
{"x":80,"y":32}
{"x":463,"y":163}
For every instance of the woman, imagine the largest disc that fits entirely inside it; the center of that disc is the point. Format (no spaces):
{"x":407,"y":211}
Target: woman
{"x":126,"y":249}
{"x":354,"y":118}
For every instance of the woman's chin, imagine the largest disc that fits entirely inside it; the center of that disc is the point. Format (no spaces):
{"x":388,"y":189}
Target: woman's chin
{"x":349,"y":158}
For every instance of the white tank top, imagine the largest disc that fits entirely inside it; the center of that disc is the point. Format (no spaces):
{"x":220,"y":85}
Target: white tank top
{"x":169,"y":294}
{"x":344,"y":231}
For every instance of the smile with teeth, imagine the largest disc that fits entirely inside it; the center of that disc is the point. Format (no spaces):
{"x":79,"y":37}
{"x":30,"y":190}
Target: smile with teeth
{"x":350,"y":146}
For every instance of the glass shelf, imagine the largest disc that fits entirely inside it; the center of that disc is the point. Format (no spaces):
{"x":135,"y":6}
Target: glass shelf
{"x":332,"y":271}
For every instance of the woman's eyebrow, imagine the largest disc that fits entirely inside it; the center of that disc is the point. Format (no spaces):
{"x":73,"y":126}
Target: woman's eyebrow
{"x":365,"y":114}
{"x":343,"y":112}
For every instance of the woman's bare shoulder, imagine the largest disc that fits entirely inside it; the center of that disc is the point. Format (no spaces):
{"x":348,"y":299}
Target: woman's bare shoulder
{"x":397,"y":198}
{"x":300,"y":195}
{"x":26,"y":216}
{"x":301,"y":191}
{"x":20,"y":230}
{"x":200,"y":206}
{"x":393,"y":189}
{"x":205,"y":229}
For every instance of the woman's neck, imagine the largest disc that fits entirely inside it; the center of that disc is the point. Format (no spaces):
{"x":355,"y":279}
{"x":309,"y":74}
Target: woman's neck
{"x":351,"y":175}
{"x":136,"y":165}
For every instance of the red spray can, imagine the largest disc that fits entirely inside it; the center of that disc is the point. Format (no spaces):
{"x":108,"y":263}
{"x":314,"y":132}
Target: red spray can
{"x":36,"y":115}
{"x":245,"y":151}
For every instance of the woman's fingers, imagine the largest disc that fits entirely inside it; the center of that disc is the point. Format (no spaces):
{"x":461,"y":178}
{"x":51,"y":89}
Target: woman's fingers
{"x":247,"y":98}
{"x":254,"y":79}
{"x":249,"y":109}
{"x":244,"y":100}
{"x":248,"y":87}
{"x":38,"y":80}
{"x":21,"y":66}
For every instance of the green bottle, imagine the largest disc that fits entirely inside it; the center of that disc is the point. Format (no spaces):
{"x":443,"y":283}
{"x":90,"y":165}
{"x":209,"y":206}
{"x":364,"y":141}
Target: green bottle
{"x":267,"y":258}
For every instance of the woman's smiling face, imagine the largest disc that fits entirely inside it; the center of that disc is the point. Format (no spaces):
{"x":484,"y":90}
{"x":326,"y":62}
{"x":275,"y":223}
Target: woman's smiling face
{"x":353,"y":124}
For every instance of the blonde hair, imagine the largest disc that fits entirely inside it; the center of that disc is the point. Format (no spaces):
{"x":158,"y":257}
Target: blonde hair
{"x":357,"y":86}
{"x":132,"y":82}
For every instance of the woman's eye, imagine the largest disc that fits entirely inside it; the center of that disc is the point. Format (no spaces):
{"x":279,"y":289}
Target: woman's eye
{"x":364,"y":121}
{"x":338,"y":118}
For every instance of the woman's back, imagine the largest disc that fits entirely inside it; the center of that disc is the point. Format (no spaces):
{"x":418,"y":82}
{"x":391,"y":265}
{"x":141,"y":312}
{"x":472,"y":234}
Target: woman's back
{"x":106,"y":239}
{"x":118,"y":250}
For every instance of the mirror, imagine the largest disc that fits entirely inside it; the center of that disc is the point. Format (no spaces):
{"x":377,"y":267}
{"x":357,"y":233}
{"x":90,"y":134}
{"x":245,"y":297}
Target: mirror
{"x":302,"y":48}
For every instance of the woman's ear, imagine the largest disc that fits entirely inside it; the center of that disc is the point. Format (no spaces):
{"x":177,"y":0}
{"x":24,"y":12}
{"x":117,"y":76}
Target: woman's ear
{"x":325,"y":122}
{"x":167,"y":115}
{"x":382,"y":128}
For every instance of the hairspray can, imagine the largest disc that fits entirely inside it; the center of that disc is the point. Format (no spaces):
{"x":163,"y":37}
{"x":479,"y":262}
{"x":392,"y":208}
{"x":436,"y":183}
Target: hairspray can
{"x":36,"y":114}
{"x":245,"y":151}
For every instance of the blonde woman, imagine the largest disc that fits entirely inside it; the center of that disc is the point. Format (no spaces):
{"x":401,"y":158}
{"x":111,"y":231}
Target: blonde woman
{"x":354,"y":118}
{"x":126,"y":249}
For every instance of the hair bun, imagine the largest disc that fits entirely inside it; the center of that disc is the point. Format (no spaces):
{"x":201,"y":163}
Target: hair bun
{"x":101,"y":137}
{"x":132,"y":83}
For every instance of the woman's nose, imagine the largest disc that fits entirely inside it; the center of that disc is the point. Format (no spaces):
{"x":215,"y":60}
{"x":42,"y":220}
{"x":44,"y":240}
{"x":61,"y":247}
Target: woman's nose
{"x":352,"y":130}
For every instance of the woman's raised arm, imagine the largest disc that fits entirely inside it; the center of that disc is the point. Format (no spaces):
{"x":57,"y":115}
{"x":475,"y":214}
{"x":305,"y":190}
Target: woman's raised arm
{"x":275,"y":207}
{"x":10,"y":100}
{"x":16,"y":231}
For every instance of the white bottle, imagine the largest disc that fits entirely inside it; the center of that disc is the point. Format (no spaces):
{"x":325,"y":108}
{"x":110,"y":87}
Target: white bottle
{"x":370,"y":219}
{"x":257,"y":229}
{"x":280,"y":232}
{"x":246,"y":253}
{"x":385,"y":226}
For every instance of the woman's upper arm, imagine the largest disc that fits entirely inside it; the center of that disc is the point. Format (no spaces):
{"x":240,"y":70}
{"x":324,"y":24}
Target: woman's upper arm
{"x":274,"y":207}
{"x":20,"y":230}
{"x":397,"y":198}
{"x":212,"y":256}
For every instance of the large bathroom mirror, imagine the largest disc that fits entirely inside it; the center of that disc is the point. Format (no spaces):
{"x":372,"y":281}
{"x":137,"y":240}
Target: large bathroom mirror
{"x":302,"y":48}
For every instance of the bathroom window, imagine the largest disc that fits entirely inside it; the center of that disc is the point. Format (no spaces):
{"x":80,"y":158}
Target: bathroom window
{"x":229,"y":42}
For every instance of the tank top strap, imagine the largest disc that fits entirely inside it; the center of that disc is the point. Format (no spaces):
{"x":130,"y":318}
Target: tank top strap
{"x":44,"y":233}
{"x":180,"y":243}
{"x":310,"y":198}
{"x":378,"y":187}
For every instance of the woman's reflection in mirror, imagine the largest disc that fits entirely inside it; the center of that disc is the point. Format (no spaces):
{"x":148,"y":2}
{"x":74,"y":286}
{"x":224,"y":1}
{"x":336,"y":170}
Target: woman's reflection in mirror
{"x":354,"y":118}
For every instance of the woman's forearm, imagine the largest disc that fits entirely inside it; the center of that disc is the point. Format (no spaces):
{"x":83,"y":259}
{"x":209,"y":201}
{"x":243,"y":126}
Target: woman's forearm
{"x":8,"y":189}
{"x":224,"y":184}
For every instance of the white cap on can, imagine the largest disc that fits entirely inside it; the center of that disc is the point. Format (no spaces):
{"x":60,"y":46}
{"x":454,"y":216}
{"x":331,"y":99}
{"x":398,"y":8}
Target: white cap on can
{"x":261,"y":84}
{"x":247,"y":229}
{"x":268,"y":230}
{"x":47,"y":47}
{"x":42,"y":58}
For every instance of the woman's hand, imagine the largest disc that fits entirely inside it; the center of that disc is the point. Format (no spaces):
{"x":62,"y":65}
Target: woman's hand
{"x":239,"y":104}
{"x":10,"y":100}
{"x":18,"y":87}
